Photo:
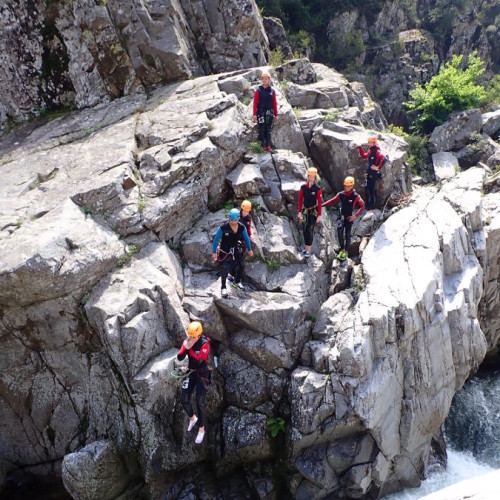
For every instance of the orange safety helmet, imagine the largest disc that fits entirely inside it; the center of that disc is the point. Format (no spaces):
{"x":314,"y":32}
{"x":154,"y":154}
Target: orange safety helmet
{"x":194,"y":329}
{"x":265,"y":73}
{"x":312,"y":171}
{"x":246,"y":205}
{"x":349,"y":181}
{"x":372,"y":139}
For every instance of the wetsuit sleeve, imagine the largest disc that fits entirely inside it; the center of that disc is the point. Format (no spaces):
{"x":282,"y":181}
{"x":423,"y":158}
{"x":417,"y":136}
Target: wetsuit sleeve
{"x":217,"y":237}
{"x":363,"y":153}
{"x":203,"y":354}
{"x":319,"y":196}
{"x":182,"y":352}
{"x":247,"y":239}
{"x":359,"y":201}
{"x":301,"y":200}
{"x":255,"y":102}
{"x":379,"y":160}
{"x":335,"y":199}
{"x":275,"y":104}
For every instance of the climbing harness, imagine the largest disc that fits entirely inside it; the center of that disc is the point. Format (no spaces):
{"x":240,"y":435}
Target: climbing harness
{"x":180,"y":374}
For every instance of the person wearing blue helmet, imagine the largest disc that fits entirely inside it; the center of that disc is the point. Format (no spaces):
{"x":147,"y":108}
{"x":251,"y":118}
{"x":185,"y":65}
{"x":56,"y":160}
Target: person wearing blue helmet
{"x":227,"y":249}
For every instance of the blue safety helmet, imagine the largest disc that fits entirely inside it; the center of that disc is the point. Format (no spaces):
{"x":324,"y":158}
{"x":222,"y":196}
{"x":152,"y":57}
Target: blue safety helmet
{"x":234,"y":214}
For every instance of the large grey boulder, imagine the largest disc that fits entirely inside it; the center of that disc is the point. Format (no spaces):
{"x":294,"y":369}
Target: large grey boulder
{"x":445,"y":165}
{"x":491,"y":123}
{"x":96,"y":472}
{"x":456,"y":132}
{"x":277,"y":36}
{"x":333,"y":148}
{"x":55,"y":255}
{"x":145,"y":318}
{"x":85,"y":53}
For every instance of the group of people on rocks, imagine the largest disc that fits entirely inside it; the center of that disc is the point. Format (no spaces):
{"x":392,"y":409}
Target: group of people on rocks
{"x":234,"y":236}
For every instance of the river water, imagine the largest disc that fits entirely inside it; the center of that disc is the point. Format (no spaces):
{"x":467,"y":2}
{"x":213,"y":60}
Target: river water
{"x":472,"y":436}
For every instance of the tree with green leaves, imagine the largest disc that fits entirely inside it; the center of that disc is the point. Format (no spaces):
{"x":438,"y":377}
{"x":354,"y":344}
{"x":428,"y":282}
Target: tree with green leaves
{"x":453,"y":89}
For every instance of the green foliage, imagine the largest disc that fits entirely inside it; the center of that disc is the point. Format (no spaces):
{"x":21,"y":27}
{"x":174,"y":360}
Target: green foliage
{"x":254,"y":147}
{"x":452,"y":89}
{"x":297,"y":111}
{"x":87,"y":209}
{"x":276,"y":57}
{"x":492,"y":91}
{"x":393,"y":129}
{"x":332,"y":116}
{"x":302,"y":42}
{"x":418,"y":156}
{"x":141,"y":204}
{"x":273,"y":264}
{"x":276,"y":425}
{"x":127,"y":256}
{"x":246,"y":100}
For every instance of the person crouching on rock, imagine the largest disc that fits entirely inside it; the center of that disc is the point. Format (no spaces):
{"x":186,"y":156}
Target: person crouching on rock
{"x":230,"y":253}
{"x":349,"y":199}
{"x":196,"y":346}
{"x":265,"y":110}
{"x":375,"y":163}
{"x":309,"y":207}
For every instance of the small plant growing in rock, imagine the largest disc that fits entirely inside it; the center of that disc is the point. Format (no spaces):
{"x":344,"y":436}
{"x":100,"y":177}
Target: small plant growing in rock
{"x":141,"y":204}
{"x":276,"y":425}
{"x":297,"y":111}
{"x":254,"y":147}
{"x":246,"y":100}
{"x":276,"y":57}
{"x":87,"y":209}
{"x":332,"y":116}
{"x":127,"y":256}
{"x":284,"y":86}
{"x":273,"y":264}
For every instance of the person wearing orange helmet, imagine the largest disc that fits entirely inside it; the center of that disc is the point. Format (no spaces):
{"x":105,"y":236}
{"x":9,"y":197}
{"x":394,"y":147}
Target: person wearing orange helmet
{"x":375,"y":163}
{"x":196,"y":346}
{"x":246,"y":220}
{"x":265,"y":110}
{"x":349,"y":199}
{"x":309,"y":208}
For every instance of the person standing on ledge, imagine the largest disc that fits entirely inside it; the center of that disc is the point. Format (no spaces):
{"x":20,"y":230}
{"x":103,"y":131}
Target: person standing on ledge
{"x":196,"y":346}
{"x":375,"y":163}
{"x":348,"y":201}
{"x":231,"y":253}
{"x":265,"y":110}
{"x":309,"y":207}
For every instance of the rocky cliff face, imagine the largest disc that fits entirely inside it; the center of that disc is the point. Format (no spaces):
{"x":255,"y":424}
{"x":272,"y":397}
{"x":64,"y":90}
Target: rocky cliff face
{"x":358,"y":361}
{"x":72,"y":53}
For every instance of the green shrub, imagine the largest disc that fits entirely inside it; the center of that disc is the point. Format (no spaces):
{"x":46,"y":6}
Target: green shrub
{"x":273,"y":264}
{"x":452,"y":89}
{"x":418,"y":156}
{"x":254,"y":147}
{"x":492,"y":91}
{"x":141,"y":204}
{"x":332,"y":116}
{"x":276,"y":425}
{"x":276,"y":57}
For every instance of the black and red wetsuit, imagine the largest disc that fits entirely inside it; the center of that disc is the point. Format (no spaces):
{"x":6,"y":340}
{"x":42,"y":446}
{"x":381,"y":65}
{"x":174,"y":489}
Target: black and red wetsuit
{"x":247,"y":222}
{"x":310,"y":204}
{"x":375,"y":159}
{"x":265,"y":108}
{"x":199,"y":378}
{"x":348,"y":202}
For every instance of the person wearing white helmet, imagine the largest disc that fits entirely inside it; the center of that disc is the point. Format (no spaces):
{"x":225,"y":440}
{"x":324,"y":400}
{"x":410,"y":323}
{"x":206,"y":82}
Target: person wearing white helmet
{"x":230,"y":254}
{"x":265,"y":110}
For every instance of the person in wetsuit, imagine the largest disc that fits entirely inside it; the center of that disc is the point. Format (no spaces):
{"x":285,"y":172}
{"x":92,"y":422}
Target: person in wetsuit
{"x":349,"y":199}
{"x":309,"y":208}
{"x":230,"y":253}
{"x":196,"y":346}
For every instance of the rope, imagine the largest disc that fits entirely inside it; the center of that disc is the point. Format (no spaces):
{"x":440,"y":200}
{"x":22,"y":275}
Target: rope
{"x":179,"y":373}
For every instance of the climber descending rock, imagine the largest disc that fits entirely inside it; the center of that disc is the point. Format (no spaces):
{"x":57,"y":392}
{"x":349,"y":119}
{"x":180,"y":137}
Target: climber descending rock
{"x":349,"y":199}
{"x":230,"y":254}
{"x":246,"y":220}
{"x":309,"y":207}
{"x":196,"y":346}
{"x":375,"y":163}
